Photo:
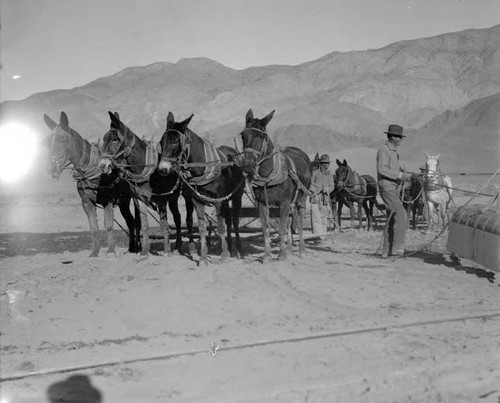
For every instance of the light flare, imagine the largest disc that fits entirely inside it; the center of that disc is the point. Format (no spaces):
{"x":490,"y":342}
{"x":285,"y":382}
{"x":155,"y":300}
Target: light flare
{"x":18,"y":148}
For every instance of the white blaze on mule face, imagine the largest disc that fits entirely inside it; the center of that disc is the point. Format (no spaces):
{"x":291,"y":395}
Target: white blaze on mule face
{"x":105,"y":165}
{"x":18,"y":148}
{"x":165,"y":166}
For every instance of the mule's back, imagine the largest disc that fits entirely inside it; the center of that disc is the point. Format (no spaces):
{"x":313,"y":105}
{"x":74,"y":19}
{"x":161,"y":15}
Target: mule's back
{"x":302,"y":164}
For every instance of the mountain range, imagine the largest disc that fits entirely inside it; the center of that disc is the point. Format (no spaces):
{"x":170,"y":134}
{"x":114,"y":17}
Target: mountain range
{"x":444,"y":90}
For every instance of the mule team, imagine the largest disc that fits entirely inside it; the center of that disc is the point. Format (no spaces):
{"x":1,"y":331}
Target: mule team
{"x":127,"y":168}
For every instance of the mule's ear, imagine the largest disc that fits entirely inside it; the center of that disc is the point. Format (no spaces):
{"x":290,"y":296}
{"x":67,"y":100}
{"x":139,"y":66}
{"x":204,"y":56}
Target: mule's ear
{"x":339,"y":163}
{"x":344,"y":163}
{"x":63,"y":121}
{"x":437,"y":156}
{"x":49,"y":122}
{"x":427,"y":156}
{"x":265,"y":120}
{"x":249,"y":116}
{"x":170,"y":119}
{"x":185,"y":123}
{"x":115,"y":118}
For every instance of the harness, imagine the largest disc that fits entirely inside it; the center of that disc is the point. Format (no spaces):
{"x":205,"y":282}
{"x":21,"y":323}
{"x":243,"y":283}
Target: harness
{"x":280,"y":171}
{"x":91,"y":170}
{"x":358,"y":187}
{"x":150,"y":163}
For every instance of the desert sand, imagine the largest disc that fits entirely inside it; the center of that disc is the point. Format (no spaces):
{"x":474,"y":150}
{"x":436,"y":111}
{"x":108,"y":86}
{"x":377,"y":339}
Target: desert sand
{"x":336,"y":325}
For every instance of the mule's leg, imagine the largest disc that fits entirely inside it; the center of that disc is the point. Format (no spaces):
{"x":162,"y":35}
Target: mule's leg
{"x":189,"y":224}
{"x":288,"y":231}
{"x":108,"y":225}
{"x":90,"y":211}
{"x":360,"y":215}
{"x":353,"y":213}
{"x":339,"y":213}
{"x":124,"y":206}
{"x":235,"y":216}
{"x":430,"y":213}
{"x":227,"y":215}
{"x":173,"y":205}
{"x":223,"y":215}
{"x":202,"y":228}
{"x":300,"y":222}
{"x":407,"y":207}
{"x":164,"y":227}
{"x":284,"y":212}
{"x":367,"y":213}
{"x":266,"y":231}
{"x":442,"y":211}
{"x":144,"y":229}
{"x":371,"y":204}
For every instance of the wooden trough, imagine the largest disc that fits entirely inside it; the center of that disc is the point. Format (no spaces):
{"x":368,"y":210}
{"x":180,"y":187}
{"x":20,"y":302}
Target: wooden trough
{"x":474,"y":234}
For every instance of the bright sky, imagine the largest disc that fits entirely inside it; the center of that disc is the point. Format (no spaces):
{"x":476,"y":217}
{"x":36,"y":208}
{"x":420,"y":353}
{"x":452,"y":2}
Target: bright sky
{"x":54,"y":44}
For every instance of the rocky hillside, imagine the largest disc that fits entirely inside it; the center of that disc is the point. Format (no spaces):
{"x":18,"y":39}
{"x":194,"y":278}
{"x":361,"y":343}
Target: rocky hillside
{"x":447,"y":84}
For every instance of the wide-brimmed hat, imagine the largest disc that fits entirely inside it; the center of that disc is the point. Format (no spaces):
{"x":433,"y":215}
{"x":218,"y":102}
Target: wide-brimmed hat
{"x":324,"y":159}
{"x":395,"y":130}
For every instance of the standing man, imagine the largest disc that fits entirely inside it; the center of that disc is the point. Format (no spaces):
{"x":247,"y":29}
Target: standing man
{"x":321,"y":187}
{"x":391,"y":177}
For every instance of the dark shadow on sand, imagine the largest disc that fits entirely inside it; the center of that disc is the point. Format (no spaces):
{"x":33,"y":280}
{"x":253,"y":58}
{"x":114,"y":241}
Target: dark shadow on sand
{"x":75,"y":389}
{"x":453,"y":262}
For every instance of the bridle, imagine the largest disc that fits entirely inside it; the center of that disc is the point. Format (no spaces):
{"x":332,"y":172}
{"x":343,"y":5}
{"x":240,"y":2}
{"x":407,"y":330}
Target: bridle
{"x":63,"y":161}
{"x":183,"y":156}
{"x":342,"y":183}
{"x":259,"y":154}
{"x":432,"y":176}
{"x":120,"y":153}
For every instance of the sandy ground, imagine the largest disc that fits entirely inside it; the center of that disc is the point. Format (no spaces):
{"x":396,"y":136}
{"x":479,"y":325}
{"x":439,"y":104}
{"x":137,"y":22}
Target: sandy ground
{"x":337,"y":325}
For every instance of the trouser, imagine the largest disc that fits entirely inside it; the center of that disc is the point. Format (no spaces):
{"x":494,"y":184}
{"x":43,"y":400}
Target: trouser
{"x":395,"y":231}
{"x":320,"y":212}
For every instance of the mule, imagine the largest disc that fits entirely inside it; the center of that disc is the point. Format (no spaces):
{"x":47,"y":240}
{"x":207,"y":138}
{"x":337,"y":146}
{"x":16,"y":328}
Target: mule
{"x":137,"y":161}
{"x":413,"y":199}
{"x":350,"y":188}
{"x":210,"y":176}
{"x":67,"y":148}
{"x":438,"y":191}
{"x":279,"y":178}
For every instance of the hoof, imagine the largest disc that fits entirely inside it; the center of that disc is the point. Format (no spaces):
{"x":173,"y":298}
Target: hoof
{"x":94,"y":254}
{"x":266,"y":259}
{"x":143,"y":257}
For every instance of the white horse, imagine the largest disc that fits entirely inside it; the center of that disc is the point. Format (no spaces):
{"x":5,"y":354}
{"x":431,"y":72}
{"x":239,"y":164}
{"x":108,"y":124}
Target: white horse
{"x":438,"y":191}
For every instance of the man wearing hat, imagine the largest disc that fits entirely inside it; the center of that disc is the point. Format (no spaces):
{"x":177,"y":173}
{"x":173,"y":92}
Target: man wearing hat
{"x":391,"y":177}
{"x":321,"y":186}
